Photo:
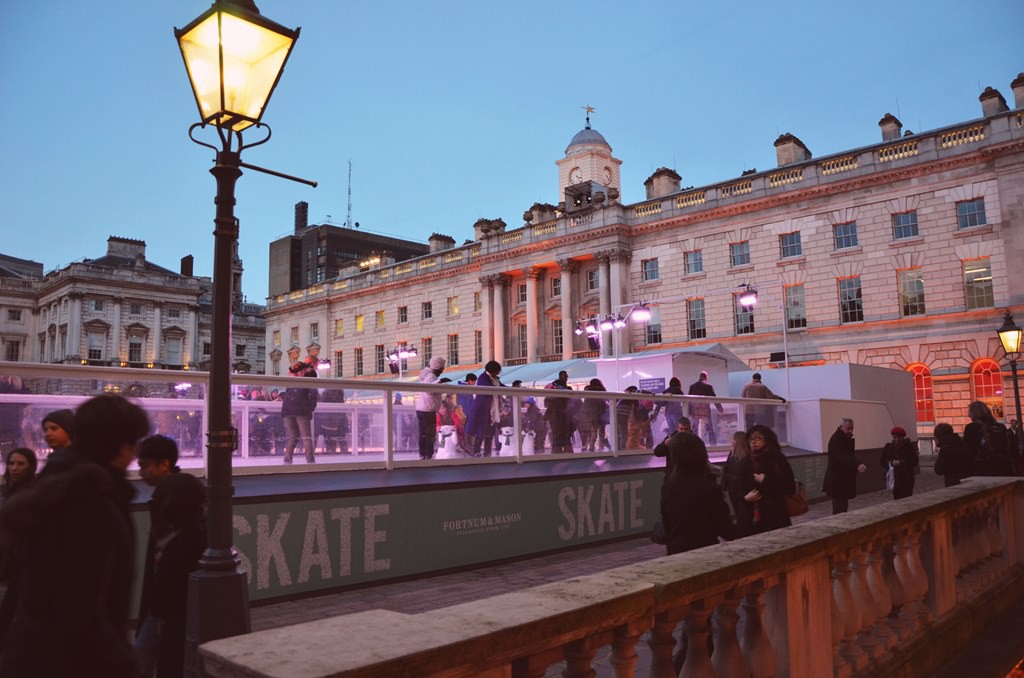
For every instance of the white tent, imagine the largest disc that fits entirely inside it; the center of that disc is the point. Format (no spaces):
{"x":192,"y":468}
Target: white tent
{"x":651,"y":370}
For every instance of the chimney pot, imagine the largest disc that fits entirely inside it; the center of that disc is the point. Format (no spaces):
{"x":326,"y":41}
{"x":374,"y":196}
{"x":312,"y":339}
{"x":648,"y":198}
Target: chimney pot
{"x":789,"y":149}
{"x":1018,"y":91}
{"x":992,"y":102}
{"x":891,"y":127}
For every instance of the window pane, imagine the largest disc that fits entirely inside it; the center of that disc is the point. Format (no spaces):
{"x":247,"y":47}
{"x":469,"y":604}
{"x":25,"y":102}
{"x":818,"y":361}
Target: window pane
{"x":851,"y":306}
{"x":923,"y":402}
{"x":789,"y":245}
{"x":911,"y":292}
{"x":744,"y":317}
{"x":970,"y":213}
{"x":978,"y":284}
{"x":739,"y":253}
{"x":694,"y":262}
{"x":845,"y":235}
{"x":796,"y":310}
{"x":695,"y":316}
{"x":649,"y":269}
{"x":904,"y":225}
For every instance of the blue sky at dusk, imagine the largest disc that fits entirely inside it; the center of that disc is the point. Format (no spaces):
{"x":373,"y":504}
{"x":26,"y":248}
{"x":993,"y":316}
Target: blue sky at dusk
{"x":452,"y":111}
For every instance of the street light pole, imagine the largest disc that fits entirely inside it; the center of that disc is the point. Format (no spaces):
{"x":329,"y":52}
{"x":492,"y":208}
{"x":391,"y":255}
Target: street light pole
{"x":1010,"y":339}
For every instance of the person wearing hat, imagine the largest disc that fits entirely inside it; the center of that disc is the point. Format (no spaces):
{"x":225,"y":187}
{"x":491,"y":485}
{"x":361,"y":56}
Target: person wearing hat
{"x":57,"y":431}
{"x":427,"y":405}
{"x":901,"y":456}
{"x":533,"y":420}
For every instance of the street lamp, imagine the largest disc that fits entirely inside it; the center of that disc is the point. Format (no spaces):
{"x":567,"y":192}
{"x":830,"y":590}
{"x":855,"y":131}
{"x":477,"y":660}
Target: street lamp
{"x":1010,"y":336}
{"x":234,"y":58}
{"x":399,"y":354}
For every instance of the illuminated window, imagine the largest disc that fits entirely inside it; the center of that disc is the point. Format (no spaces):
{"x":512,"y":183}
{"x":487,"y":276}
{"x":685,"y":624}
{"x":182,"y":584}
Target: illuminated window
{"x":339,"y":327}
{"x":911,"y":282}
{"x":295,"y":334}
{"x":359,"y":323}
{"x":380,"y":320}
{"x":276,"y":339}
{"x":476,"y":302}
{"x":987,"y":385}
{"x":453,"y":304}
{"x":978,"y":283}
{"x":923,"y":401}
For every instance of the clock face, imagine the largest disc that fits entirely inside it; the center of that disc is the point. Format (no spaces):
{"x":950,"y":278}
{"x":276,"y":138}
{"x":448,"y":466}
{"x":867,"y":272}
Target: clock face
{"x":575,"y":175}
{"x":607,"y":177}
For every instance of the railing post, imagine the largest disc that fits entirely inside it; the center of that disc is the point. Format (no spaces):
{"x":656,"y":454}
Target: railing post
{"x":940,"y":565}
{"x":800,"y":621}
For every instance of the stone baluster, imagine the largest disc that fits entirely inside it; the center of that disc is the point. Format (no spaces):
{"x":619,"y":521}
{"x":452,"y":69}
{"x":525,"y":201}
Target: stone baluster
{"x":697,"y":663}
{"x":908,"y":610}
{"x":965,"y":580}
{"x":623,"y":658}
{"x":757,"y":649}
{"x":727,"y":657}
{"x":579,"y":658}
{"x":897,"y":594}
{"x":995,"y":539}
{"x":840,"y":668}
{"x":985,"y":550}
{"x":662,"y":643}
{"x":864,"y":598}
{"x":916,"y":582}
{"x":883,"y":601}
{"x":850,"y":612}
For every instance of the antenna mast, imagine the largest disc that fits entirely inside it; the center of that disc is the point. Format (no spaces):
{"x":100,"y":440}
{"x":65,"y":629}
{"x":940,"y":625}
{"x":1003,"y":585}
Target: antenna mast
{"x":348,"y":219}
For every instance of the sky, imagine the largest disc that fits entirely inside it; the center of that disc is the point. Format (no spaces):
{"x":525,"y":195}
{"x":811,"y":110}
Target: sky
{"x":452,"y":111}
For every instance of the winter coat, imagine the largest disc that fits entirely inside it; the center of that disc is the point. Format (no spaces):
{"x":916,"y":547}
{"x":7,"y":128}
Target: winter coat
{"x":905,"y":452}
{"x":480,"y":421}
{"x":694,"y":513}
{"x":770,"y":513}
{"x":298,"y":402}
{"x":428,"y":402}
{"x":72,"y":537}
{"x":841,"y":471}
{"x":954,"y":460}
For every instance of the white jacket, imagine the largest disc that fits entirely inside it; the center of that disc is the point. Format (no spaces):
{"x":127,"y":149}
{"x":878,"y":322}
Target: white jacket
{"x":428,"y":402}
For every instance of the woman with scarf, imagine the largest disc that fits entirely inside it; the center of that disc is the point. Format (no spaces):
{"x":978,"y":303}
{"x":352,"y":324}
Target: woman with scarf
{"x":766,"y":478}
{"x":485,"y":412}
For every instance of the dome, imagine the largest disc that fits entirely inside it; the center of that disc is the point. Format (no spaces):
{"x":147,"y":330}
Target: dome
{"x":587,"y":137}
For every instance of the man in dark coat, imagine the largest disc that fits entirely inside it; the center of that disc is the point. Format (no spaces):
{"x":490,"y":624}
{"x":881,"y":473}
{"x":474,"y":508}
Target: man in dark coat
{"x":701,"y":412}
{"x":71,"y":536}
{"x":841,"y":472}
{"x":900,"y":454}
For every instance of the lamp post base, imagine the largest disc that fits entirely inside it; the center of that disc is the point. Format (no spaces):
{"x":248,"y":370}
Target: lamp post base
{"x":218,"y":607}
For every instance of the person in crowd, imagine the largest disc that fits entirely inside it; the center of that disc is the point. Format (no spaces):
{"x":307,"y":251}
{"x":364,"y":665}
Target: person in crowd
{"x":297,"y":410}
{"x":623,"y":408}
{"x":427,"y":407}
{"x":518,"y":383}
{"x":71,"y":536}
{"x":638,"y":433}
{"x":759,"y":414}
{"x":592,"y":414}
{"x":673,"y":410}
{"x":485,"y":412}
{"x":20,"y":467}
{"x":533,"y":420}
{"x":661,"y":449}
{"x":901,"y":455}
{"x":842,"y":468}
{"x":558,"y":412}
{"x":158,"y":457}
{"x":693,"y":510}
{"x":734,"y":474}
{"x":406,"y":426}
{"x":178,"y":535}
{"x":700,"y":412}
{"x":57,"y":432}
{"x":766,"y":480}
{"x":954,"y":462}
{"x":465,"y":400}
{"x":988,"y":442}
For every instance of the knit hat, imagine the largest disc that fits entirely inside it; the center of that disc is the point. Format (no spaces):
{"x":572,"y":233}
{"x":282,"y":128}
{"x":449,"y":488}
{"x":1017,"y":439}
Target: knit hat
{"x":898,"y":431}
{"x":62,"y":418}
{"x":437,"y":363}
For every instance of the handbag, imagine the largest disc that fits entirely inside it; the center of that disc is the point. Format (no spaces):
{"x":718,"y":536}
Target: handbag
{"x":890,"y":478}
{"x":796,"y":503}
{"x":658,"y":535}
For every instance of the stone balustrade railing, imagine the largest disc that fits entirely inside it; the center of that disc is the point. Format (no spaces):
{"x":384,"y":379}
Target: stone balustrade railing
{"x":894,"y":588}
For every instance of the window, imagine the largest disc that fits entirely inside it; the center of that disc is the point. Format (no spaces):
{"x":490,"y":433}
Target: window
{"x":593,"y":280}
{"x":845,"y":235}
{"x":378,"y":358}
{"x":339,"y":364}
{"x":911,"y":282}
{"x":478,"y":346}
{"x":379,"y":320}
{"x":695,"y":318}
{"x":174,"y":313}
{"x":796,"y":309}
{"x":851,"y":306}
{"x":403,"y":314}
{"x":239,"y":350}
{"x":790,"y":246}
{"x":556,"y":334}
{"x":428,"y":310}
{"x":521,"y":340}
{"x":359,"y":362}
{"x":923,"y":402}
{"x":276,"y":337}
{"x":649,"y":269}
{"x":978,"y":283}
{"x":521,"y":293}
{"x":970,"y":213}
{"x":135,"y":349}
{"x":95,"y":345}
{"x":476,"y":302}
{"x":97,"y":305}
{"x":359,"y":323}
{"x":694,"y":262}
{"x":295,"y":334}
{"x":339,"y":327}
{"x":453,"y":305}
{"x":275,"y":366}
{"x":207,"y":347}
{"x":426,"y":349}
{"x":556,"y":286}
{"x":135,"y":308}
{"x":12,"y":351}
{"x":453,"y":349}
{"x":172,"y":348}
{"x":743,"y":316}
{"x":652,"y":332}
{"x":904,"y":225}
{"x":14,"y":315}
{"x":987,"y":385}
{"x":739,"y":253}
{"x":314,"y":331}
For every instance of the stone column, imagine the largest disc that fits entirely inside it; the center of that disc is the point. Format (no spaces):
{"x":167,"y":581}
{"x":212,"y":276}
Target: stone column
{"x":567,"y":267}
{"x":617,"y":277}
{"x":500,"y":316}
{"x":115,"y":331}
{"x":75,"y":327}
{"x":604,"y":301}
{"x":158,"y":332}
{"x":191,"y":347}
{"x":487,"y":331}
{"x":533,"y":273}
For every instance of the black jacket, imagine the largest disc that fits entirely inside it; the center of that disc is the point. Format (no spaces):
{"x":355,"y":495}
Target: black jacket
{"x":694,"y":513}
{"x":841,"y":471}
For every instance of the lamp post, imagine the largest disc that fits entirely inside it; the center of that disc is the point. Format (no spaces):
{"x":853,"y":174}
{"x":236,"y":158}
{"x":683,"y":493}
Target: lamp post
{"x":234,"y":58}
{"x":1010,"y":337}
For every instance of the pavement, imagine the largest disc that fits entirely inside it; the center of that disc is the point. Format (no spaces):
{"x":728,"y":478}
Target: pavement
{"x":429,"y":593}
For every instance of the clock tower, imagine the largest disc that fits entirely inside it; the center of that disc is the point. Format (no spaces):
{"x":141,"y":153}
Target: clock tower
{"x":588,"y":157}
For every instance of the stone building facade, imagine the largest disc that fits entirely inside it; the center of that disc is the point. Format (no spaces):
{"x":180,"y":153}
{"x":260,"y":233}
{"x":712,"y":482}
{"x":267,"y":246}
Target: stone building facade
{"x":900,"y":254}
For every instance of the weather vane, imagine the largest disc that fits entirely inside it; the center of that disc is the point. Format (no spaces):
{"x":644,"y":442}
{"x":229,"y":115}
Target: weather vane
{"x":589,"y":110}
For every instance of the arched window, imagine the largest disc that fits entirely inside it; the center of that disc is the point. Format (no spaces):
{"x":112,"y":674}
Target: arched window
{"x":923,"y":400}
{"x":987,"y":385}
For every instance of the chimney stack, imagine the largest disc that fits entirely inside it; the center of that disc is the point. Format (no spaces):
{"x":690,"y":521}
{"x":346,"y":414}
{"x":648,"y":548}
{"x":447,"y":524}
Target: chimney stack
{"x":301,"y":216}
{"x":439,"y":242}
{"x":789,"y":149}
{"x":186,"y":265}
{"x":1018,"y":91}
{"x":992,"y":102}
{"x":891,"y":127}
{"x":663,"y":182}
